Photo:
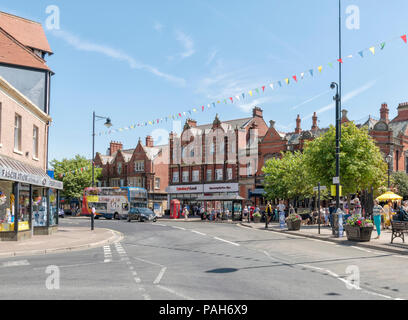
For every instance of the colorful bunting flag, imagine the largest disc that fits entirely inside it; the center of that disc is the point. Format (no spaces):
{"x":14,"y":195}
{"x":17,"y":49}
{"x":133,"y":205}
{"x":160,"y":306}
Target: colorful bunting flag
{"x":382,"y":46}
{"x":250,"y":93}
{"x":263,"y":88}
{"x":311,"y":72}
{"x":404,"y":38}
{"x":280,"y":84}
{"x":320,"y":68}
{"x":302,"y":75}
{"x":271,"y":85}
{"x":287,"y":80}
{"x":372,"y":49}
{"x":361,"y":53}
{"x":340,"y":60}
{"x":295,"y":78}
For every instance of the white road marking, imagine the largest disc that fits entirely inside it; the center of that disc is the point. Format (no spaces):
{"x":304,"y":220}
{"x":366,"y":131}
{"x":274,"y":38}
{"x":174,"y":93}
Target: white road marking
{"x":160,"y":276}
{"x":107,"y":252}
{"x":358,"y":248}
{"x":159,"y":224}
{"x":233,"y":243}
{"x":203,"y":234}
{"x":173,"y":292}
{"x":317,"y":240}
{"x":180,"y":228}
{"x":15,"y":263}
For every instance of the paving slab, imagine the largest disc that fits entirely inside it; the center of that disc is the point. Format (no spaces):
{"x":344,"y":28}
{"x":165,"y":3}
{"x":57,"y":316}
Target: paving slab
{"x":64,"y":240}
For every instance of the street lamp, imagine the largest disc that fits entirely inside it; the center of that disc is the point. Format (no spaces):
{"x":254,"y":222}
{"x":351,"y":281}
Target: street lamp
{"x":107,"y":124}
{"x":336,"y":98}
{"x":389,"y":161}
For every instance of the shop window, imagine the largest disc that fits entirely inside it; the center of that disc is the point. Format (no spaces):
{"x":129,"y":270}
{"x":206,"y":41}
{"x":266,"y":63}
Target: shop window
{"x":17,"y":132}
{"x":53,"y":207}
{"x":6,"y":206}
{"x":157,"y":183}
{"x":39,"y":207}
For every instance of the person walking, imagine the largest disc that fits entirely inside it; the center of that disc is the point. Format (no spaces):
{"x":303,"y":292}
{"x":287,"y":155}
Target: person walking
{"x":377,"y":211}
{"x":185,"y":213}
{"x":268,"y":215}
{"x":281,"y":209}
{"x":245,"y":213}
{"x":202,"y":212}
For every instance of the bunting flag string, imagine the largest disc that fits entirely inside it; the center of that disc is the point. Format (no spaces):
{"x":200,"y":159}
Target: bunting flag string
{"x":80,"y":170}
{"x":241,"y":97}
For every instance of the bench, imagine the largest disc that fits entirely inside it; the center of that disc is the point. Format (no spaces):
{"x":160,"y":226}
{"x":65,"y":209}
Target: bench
{"x":398,"y":229}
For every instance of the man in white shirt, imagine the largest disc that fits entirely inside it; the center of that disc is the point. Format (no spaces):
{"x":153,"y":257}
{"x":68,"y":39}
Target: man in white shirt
{"x":281,"y":208}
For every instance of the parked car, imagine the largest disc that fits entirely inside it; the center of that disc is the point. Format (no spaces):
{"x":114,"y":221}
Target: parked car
{"x":141,"y":214}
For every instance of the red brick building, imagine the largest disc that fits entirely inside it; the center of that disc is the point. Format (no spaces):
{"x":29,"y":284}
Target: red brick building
{"x":215,"y":164}
{"x":145,"y":166}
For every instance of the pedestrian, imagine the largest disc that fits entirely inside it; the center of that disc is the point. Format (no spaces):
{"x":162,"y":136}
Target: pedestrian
{"x":281,"y":209}
{"x":185,"y":213}
{"x":357,"y":207}
{"x":268,"y":215}
{"x":246,"y":213}
{"x":202,"y":212}
{"x":377,"y":211}
{"x":227,"y":212}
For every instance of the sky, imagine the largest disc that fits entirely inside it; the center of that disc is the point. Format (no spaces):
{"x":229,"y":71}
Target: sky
{"x":135,"y":61}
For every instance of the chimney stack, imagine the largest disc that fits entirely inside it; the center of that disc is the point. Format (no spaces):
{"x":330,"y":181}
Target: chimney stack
{"x":149,"y":141}
{"x":115,"y":147}
{"x":314,"y":126}
{"x":384,"y":112}
{"x":298,"y":122}
{"x":257,"y":112}
{"x":192,"y":123}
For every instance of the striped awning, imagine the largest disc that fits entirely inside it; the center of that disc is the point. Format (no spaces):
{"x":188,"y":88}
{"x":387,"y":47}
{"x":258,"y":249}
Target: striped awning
{"x":15,"y":170}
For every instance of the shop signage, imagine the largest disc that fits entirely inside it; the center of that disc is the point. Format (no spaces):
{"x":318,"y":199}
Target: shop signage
{"x":185,"y":189}
{"x":14,"y":175}
{"x":221,"y":187}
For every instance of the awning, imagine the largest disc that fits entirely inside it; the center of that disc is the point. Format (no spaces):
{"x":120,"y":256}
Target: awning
{"x":15,"y":170}
{"x":220,"y":198}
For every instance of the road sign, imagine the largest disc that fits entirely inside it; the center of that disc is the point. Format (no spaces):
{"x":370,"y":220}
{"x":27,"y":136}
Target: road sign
{"x":336,"y":180}
{"x":316,"y":189}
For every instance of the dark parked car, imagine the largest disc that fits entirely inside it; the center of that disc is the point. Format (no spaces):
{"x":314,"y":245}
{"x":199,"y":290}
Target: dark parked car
{"x":141,"y":214}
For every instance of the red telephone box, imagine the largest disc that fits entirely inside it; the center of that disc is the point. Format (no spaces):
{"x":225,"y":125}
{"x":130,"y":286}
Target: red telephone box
{"x":175,"y":209}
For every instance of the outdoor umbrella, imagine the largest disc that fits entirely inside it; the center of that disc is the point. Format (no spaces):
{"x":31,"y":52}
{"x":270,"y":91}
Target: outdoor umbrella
{"x":389,"y":196}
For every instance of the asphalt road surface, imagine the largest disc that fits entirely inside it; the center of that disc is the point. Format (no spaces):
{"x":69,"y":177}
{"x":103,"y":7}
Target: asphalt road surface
{"x":200,"y":260}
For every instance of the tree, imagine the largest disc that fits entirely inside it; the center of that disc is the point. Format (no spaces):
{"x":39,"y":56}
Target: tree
{"x":400,"y":182}
{"x":361,"y":162}
{"x":75,"y":180}
{"x":287,"y":178}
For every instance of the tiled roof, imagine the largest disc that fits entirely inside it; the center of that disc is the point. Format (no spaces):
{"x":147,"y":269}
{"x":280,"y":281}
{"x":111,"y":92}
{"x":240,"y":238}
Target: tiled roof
{"x":29,"y":33}
{"x":240,"y":123}
{"x":13,"y":52}
{"x":397,"y":127}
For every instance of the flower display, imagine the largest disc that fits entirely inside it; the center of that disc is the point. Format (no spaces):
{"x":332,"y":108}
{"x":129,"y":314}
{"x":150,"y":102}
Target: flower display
{"x":294,"y":217}
{"x":361,"y":222}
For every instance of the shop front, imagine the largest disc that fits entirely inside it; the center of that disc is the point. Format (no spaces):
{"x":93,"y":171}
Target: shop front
{"x":218,"y":197}
{"x":28,"y":201}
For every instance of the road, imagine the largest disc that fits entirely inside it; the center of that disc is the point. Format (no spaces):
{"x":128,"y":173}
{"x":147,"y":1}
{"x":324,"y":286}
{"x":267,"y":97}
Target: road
{"x":200,"y":260}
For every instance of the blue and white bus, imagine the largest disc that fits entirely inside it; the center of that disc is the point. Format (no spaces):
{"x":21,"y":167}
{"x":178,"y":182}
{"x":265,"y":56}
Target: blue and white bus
{"x":113,"y":202}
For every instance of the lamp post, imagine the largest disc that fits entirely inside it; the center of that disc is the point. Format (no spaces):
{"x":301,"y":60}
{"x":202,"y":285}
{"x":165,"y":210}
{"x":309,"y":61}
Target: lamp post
{"x":337,"y":98}
{"x":108,"y":124}
{"x":389,"y":161}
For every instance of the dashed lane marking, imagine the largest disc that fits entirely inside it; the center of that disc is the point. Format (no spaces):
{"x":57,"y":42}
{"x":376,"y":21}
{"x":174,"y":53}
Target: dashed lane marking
{"x":8,"y":264}
{"x":180,"y":228}
{"x":223,"y":240}
{"x":197,"y":232}
{"x":107,"y":254}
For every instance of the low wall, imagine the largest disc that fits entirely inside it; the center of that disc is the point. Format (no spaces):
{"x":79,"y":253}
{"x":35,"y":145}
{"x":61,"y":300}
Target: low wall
{"x":11,"y":235}
{"x":45,"y":231}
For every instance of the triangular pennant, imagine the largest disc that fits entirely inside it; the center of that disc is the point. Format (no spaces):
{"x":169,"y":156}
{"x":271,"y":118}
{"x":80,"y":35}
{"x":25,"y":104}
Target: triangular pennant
{"x":225,"y":101}
{"x":280,"y":84}
{"x":320,"y":68}
{"x":361,"y":53}
{"x":218,"y":102}
{"x":257,"y":90}
{"x":311,"y":72}
{"x":271,"y":85}
{"x":382,"y":46}
{"x":404,"y":38}
{"x":213,"y":104}
{"x":372,"y":49}
{"x":250,"y":93}
{"x":340,"y":60}
{"x":302,"y":75}
{"x":263,"y":88}
{"x":243,"y":96}
{"x":287,"y":80}
{"x":202,"y":108}
{"x":331,"y":64}
{"x":350,"y":56}
{"x":295,"y":78}
{"x":232,"y":100}
{"x":237,"y":98}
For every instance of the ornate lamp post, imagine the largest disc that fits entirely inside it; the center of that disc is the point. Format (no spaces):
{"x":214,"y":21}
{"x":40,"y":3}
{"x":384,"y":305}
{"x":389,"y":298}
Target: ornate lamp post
{"x":389,"y":161}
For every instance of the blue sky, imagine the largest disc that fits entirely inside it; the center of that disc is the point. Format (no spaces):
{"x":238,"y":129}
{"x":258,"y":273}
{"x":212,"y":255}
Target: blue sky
{"x":141,"y":60}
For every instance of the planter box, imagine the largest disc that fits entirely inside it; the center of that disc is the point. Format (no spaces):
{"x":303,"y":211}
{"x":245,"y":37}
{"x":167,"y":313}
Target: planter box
{"x":294,"y":226}
{"x":257,"y":219}
{"x":359,"y":234}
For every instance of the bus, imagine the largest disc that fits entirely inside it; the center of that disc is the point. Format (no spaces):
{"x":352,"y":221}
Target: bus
{"x":113,"y":202}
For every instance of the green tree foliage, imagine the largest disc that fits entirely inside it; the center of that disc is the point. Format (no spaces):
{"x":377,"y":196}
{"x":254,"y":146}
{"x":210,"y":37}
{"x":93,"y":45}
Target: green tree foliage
{"x":400,"y":182}
{"x":287,"y":178}
{"x":361,"y":162}
{"x":75,"y":183}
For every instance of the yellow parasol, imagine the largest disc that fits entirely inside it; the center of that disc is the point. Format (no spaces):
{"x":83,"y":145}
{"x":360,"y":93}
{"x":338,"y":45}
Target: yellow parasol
{"x":389,"y":196}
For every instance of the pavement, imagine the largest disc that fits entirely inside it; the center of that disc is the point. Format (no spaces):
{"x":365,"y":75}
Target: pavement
{"x":382,"y":244}
{"x":64,"y":240}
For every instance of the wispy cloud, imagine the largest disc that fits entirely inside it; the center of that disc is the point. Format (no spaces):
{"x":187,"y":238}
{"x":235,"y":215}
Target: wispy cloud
{"x":345,"y":98}
{"x":310,"y":100}
{"x":158,"y":26}
{"x":258,"y":102}
{"x":83,"y":45}
{"x":187,"y":43}
{"x":211,"y":56}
